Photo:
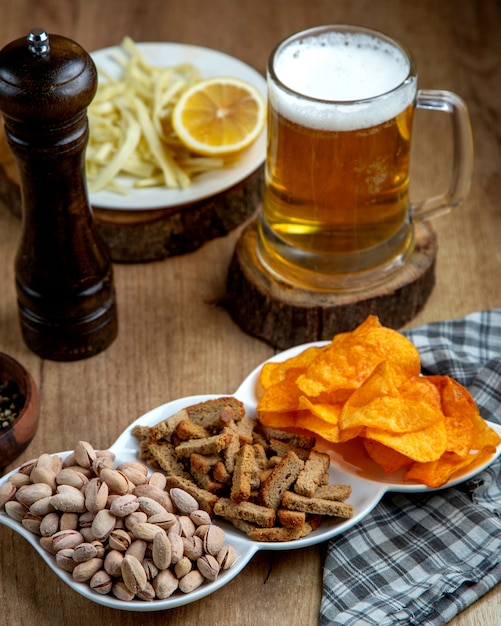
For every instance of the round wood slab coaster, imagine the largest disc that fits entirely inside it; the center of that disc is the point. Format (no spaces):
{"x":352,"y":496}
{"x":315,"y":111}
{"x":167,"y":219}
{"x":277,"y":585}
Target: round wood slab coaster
{"x":142,"y":236}
{"x":286,"y":316}
{"x":139,"y":236}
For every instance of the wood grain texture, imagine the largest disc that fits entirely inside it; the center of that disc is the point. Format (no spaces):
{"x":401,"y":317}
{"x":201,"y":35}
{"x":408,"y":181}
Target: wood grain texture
{"x":174,"y":340}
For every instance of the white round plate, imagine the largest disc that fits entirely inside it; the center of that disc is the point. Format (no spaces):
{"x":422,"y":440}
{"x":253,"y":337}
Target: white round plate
{"x":211,"y":63}
{"x":368,"y":482}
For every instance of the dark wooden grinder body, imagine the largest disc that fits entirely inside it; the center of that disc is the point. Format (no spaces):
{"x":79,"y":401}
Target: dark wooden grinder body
{"x":64,"y":276}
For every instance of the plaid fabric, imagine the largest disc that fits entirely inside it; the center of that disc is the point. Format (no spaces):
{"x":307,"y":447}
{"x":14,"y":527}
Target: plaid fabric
{"x":423,"y":558}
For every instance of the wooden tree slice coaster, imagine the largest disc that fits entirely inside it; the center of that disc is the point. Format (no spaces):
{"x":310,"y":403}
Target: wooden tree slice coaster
{"x":138,"y":236}
{"x":286,"y":316}
{"x":141,"y":236}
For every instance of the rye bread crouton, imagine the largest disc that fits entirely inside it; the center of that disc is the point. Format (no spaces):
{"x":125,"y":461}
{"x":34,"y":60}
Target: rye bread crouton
{"x":209,"y":445}
{"x":242,"y":474}
{"x":279,"y":533}
{"x":312,"y":473}
{"x":291,"y":519}
{"x":281,"y":448}
{"x":186,"y":429}
{"x":333,"y":492}
{"x":280,"y":479}
{"x":306,"y":442}
{"x":247,"y":511}
{"x":316,"y":506}
{"x":166,"y":458}
{"x":216,"y":413}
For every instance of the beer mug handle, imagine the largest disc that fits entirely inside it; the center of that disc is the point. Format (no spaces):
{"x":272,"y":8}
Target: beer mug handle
{"x":462,"y":166}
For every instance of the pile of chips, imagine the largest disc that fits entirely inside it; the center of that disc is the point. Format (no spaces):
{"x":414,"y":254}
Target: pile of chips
{"x":367,"y":383}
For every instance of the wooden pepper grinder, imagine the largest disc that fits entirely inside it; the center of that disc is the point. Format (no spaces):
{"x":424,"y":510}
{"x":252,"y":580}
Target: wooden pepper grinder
{"x":64,"y":276}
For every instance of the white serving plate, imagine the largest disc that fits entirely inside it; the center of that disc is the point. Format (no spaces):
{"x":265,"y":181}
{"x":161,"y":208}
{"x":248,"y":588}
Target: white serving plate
{"x":211,"y":63}
{"x":368,"y":481}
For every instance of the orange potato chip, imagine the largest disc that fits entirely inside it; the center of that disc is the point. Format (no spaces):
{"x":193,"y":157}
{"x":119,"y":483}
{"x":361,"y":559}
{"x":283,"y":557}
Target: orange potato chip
{"x":328,"y":412}
{"x":278,"y":419}
{"x":390,"y":460}
{"x":459,"y":405}
{"x":367,"y":383}
{"x":280,"y":397}
{"x":312,"y":423}
{"x":380,"y":403}
{"x":351,"y":357}
{"x":423,"y":445}
{"x":276,"y":371}
{"x":438,"y":473}
{"x":322,"y":419}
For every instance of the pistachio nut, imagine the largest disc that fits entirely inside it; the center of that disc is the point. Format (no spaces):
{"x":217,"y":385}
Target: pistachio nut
{"x":120,"y":591}
{"x":132,"y":519}
{"x":146,"y":531}
{"x":200,"y":517}
{"x":84,"y":551}
{"x":15,"y":510}
{"x":183,"y":501}
{"x":176,"y":546}
{"x":96,"y":495}
{"x":161,"y":551}
{"x":165,"y":584}
{"x":113,"y":563}
{"x":193,"y":547}
{"x":42,"y":507}
{"x":85,"y":454}
{"x":191,"y":581}
{"x":150,"y":506}
{"x":64,"y":559}
{"x":18,"y":480}
{"x":49,"y":524}
{"x":119,"y":539}
{"x":124,"y":505}
{"x":86,"y":570}
{"x":214,"y":539}
{"x":7,"y":492}
{"x":68,"y":521}
{"x":133,"y":574}
{"x":226,"y":556}
{"x":68,"y":499}
{"x":66,"y":539}
{"x":116,"y":481}
{"x":136,"y":472}
{"x":138,"y":549}
{"x":44,"y":475}
{"x":208,"y":566}
{"x":70,"y":476}
{"x":28,"y":494}
{"x":32,"y":523}
{"x":158,"y":479}
{"x":103,"y":524}
{"x":183,"y":566}
{"x":150,"y":569}
{"x":147,"y":594}
{"x":101,"y":582}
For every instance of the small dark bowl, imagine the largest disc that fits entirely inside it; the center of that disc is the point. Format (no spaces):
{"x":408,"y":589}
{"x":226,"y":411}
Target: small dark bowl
{"x":17,"y":437}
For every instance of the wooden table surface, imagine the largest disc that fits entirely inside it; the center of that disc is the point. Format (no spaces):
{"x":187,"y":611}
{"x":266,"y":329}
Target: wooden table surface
{"x":175,"y":341}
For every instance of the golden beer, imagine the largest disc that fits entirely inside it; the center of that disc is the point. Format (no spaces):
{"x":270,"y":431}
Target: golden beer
{"x":340,"y":113}
{"x":344,"y":191}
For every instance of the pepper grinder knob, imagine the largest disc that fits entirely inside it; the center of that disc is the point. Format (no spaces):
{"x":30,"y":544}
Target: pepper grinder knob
{"x":39,"y":41}
{"x":64,"y":276}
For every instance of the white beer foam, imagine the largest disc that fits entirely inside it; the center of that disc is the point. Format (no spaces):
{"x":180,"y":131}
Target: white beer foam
{"x":337,"y":72}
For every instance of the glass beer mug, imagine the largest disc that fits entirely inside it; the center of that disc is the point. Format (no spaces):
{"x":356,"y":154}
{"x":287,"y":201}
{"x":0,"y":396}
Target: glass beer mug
{"x":336,"y":211}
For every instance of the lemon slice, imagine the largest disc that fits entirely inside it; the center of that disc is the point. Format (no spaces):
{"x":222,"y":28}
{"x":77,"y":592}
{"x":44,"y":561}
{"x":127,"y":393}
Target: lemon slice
{"x":219,"y":116}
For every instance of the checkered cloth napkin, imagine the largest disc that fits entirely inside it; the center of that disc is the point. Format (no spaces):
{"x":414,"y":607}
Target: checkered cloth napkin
{"x":423,"y":558}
